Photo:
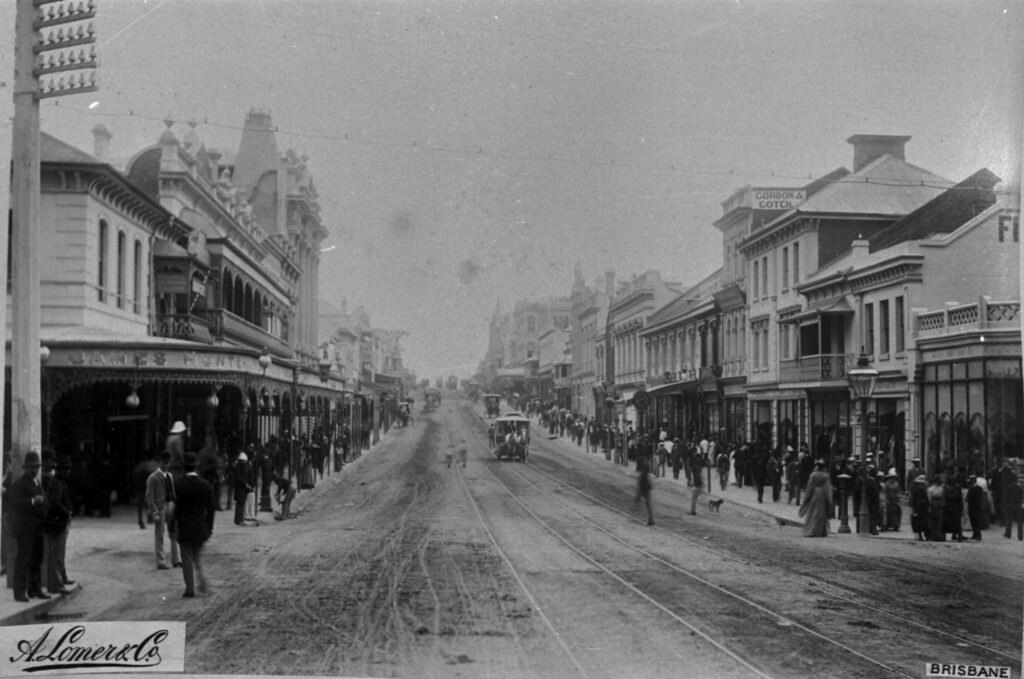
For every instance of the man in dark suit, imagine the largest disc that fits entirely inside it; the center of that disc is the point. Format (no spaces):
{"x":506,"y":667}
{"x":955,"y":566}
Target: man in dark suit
{"x":193,"y":517}
{"x":28,"y":512}
{"x":58,"y":520}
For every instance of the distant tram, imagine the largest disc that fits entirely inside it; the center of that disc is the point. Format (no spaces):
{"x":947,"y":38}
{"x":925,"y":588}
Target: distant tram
{"x":432,"y":399}
{"x":491,"y":404}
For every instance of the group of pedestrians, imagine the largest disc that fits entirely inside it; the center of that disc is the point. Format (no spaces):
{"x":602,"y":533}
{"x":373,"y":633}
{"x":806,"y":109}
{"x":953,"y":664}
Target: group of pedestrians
{"x":937,"y":506}
{"x":37,"y":509}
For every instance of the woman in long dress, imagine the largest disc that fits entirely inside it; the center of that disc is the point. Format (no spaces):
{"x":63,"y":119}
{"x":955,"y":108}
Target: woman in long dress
{"x":817,"y":506}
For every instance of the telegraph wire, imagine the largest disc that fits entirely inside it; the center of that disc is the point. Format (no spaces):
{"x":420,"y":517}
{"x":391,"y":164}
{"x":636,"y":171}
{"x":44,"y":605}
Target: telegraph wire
{"x":480,"y":150}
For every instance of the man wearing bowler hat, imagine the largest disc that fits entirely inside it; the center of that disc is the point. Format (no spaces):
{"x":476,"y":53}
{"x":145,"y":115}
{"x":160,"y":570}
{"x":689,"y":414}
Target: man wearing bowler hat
{"x":28,"y":510}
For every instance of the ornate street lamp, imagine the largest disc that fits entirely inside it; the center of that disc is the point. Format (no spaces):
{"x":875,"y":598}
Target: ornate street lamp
{"x":264,"y":360}
{"x":862,"y":381}
{"x":132,"y":399}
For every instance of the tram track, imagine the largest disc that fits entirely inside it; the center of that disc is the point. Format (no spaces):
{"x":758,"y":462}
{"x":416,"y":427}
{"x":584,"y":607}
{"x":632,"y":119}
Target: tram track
{"x":823,"y":585}
{"x":897,"y":624}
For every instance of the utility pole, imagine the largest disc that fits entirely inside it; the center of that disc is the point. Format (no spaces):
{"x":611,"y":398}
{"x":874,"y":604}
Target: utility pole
{"x":45,"y":65}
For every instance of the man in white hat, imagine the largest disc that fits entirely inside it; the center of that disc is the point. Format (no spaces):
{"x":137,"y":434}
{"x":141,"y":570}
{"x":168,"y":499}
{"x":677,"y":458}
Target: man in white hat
{"x":175,"y":443}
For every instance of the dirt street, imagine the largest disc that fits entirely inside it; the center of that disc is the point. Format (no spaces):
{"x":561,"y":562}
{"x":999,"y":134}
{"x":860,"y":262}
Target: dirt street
{"x":402,"y":566}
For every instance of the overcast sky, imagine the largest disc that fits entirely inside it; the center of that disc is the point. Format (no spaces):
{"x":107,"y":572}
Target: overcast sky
{"x":471,"y":151}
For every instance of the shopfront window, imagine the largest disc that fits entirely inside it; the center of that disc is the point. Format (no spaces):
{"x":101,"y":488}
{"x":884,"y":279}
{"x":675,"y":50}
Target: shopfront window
{"x":789,"y":425}
{"x":886,"y":430}
{"x":971,"y":414}
{"x":830,"y":425}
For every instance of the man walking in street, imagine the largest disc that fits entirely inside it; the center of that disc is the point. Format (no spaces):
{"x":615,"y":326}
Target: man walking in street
{"x":160,"y":500}
{"x":643,"y":488}
{"x":194,"y":512}
{"x":28,"y":511}
{"x":697,"y":464}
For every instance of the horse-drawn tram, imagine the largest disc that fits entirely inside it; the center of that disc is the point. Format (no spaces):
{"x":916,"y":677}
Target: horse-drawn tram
{"x":491,"y":404}
{"x":512,"y":435}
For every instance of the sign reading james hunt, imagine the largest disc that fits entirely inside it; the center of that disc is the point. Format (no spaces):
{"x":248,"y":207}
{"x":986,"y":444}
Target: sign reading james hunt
{"x":90,"y":647}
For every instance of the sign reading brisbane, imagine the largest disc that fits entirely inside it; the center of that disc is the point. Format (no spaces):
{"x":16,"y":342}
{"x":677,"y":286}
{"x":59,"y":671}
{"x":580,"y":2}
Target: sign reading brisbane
{"x":778,"y":199}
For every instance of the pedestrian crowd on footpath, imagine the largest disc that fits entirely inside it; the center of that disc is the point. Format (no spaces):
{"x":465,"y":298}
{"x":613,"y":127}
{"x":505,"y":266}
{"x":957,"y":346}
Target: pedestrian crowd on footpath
{"x":938,"y":507}
{"x":176,"y":492}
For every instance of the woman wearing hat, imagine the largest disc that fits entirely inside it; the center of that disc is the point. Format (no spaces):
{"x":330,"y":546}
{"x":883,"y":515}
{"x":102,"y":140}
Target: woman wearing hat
{"x":817,"y":506}
{"x":891,"y":493}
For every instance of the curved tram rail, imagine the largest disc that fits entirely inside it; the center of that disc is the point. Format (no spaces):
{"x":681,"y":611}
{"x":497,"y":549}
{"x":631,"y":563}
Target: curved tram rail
{"x":776,"y":620}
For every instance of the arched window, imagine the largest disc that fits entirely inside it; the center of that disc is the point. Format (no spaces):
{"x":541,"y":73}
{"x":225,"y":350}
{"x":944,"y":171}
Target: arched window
{"x":227,"y":292}
{"x":101,"y":277}
{"x":247,"y":313}
{"x":121,"y":255}
{"x":136,"y":275}
{"x":257,"y":309}
{"x":238,"y":304}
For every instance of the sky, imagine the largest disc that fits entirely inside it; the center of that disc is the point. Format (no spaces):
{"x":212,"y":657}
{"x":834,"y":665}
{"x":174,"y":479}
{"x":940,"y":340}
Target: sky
{"x":468,"y":154}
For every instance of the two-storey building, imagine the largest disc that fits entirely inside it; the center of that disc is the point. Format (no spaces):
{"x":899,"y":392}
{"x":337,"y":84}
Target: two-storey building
{"x":788,"y":404}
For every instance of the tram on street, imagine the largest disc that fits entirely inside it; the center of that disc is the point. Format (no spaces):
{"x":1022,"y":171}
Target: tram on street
{"x":492,"y":403}
{"x":512,"y":434}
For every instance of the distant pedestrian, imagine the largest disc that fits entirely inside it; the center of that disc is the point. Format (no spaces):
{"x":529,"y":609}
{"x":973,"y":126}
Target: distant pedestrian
{"x":675,"y":456}
{"x":662,"y":458}
{"x":462,"y":456}
{"x":919,"y":507}
{"x":774,"y":475}
{"x":284,"y":495}
{"x":953,"y":513}
{"x":243,"y":485}
{"x":1013,"y":513}
{"x":697,"y":465}
{"x":792,"y":472}
{"x":194,"y":512}
{"x":817,"y":505}
{"x":891,"y":496}
{"x":448,"y":458}
{"x":977,"y":502}
{"x":936,"y":509}
{"x":722,"y":464}
{"x":643,"y":487}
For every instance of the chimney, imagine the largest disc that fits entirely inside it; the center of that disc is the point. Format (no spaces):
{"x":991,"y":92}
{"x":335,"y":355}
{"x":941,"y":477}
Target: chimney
{"x":859,"y":250}
{"x":869,"y":147}
{"x":101,"y":141}
{"x":609,"y":283}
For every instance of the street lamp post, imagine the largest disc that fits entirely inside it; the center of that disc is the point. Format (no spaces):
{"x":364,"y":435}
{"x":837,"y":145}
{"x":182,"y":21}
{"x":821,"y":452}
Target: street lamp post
{"x":844,"y":485}
{"x":862,"y":381}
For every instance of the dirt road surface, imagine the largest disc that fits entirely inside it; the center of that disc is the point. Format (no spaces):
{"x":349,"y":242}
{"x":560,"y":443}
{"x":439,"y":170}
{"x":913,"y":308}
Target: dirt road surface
{"x":403,"y":566}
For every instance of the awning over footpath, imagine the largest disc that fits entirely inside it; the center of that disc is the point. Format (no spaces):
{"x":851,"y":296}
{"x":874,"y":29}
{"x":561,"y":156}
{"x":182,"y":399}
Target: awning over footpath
{"x":673,"y":387}
{"x":832,"y":305}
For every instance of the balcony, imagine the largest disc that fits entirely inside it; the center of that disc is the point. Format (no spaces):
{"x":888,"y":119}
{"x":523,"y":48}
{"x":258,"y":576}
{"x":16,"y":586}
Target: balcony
{"x":185,"y":327}
{"x":224,"y":325}
{"x":818,"y":368}
{"x":982,"y":315}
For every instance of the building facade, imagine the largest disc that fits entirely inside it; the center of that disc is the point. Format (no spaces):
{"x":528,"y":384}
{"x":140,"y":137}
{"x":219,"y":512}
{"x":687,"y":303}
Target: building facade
{"x":172,"y":292}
